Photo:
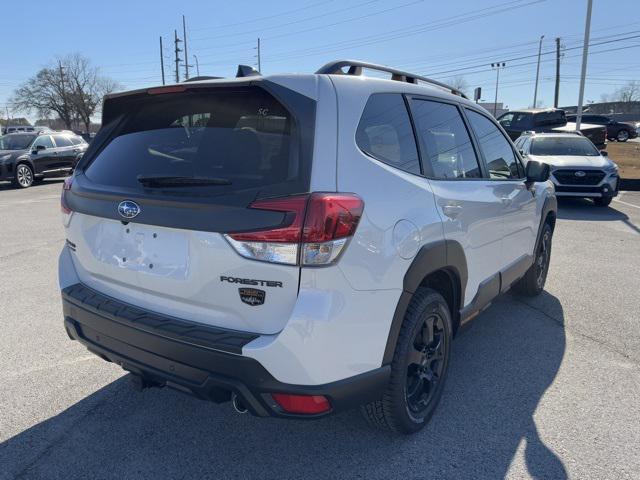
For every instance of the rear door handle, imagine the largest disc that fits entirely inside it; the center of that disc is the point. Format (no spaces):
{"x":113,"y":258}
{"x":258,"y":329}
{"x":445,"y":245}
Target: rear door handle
{"x":452,"y":211}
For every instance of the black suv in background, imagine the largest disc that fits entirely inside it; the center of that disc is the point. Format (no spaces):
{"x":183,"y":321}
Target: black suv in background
{"x":619,"y":131}
{"x":548,"y":120}
{"x":28,"y":157}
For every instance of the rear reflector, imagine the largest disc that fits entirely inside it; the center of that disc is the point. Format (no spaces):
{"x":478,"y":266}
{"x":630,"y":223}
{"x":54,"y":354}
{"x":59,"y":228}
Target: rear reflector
{"x":302,"y":404}
{"x":64,"y":207}
{"x":315,"y":229}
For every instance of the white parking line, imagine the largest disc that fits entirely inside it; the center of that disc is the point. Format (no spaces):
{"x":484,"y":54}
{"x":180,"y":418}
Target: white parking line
{"x":625,"y":203}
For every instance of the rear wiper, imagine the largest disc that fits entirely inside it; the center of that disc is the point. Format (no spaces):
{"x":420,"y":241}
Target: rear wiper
{"x":177,"y":181}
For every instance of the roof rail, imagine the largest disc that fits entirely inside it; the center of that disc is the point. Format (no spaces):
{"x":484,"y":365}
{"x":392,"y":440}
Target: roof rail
{"x":356,"y":66}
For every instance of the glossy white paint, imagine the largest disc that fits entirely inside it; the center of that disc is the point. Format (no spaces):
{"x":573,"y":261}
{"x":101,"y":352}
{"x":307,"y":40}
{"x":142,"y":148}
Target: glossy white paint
{"x":177,"y":272}
{"x":471,"y":212}
{"x":334,"y":331}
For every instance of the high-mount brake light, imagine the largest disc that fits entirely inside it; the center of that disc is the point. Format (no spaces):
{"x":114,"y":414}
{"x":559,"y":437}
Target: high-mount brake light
{"x":316,"y":229}
{"x":163,"y":90}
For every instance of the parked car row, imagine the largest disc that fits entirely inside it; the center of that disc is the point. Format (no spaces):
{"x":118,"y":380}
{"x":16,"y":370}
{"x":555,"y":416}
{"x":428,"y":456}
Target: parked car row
{"x":619,"y":131}
{"x":515,"y":122}
{"x":26,"y":157}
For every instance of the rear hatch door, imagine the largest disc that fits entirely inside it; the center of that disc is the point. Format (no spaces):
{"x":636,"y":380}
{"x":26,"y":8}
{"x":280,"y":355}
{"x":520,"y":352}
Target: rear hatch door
{"x":171,"y":172}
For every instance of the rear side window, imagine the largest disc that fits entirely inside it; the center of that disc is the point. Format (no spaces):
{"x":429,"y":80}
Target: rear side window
{"x":498,"y":154}
{"x":448,"y":152}
{"x":385,"y":132}
{"x":43,"y":140}
{"x":242,"y":137}
{"x":62,"y":141}
{"x":76,"y":140}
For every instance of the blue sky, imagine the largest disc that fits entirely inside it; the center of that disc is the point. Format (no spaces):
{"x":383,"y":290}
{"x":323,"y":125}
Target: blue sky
{"x":435,"y":38}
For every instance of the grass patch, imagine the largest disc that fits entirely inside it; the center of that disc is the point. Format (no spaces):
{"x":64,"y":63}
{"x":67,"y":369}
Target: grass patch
{"x":627,"y":156}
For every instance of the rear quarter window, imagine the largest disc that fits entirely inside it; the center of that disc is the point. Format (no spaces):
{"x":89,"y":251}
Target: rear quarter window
{"x":385,"y":132}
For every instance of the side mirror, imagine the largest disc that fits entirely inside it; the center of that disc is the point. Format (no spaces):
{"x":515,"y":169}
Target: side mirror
{"x":39,"y":148}
{"x":604,"y":153}
{"x":522,"y":153}
{"x":537,"y":171}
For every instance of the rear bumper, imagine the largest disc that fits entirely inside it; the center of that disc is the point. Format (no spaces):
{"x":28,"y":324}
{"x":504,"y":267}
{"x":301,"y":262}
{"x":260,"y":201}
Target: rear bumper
{"x":196,"y":360}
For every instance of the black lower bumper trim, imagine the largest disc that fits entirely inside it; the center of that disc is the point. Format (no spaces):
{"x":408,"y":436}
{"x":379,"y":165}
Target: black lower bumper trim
{"x":204,"y":372}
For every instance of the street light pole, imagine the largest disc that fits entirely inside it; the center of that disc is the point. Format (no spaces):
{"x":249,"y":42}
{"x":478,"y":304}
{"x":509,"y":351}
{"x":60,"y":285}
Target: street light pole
{"x":497,"y":66}
{"x":535,"y":90}
{"x":585,"y":54}
{"x":197,"y":64}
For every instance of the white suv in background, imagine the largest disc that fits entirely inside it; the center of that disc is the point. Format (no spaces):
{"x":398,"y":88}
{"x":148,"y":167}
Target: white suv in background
{"x":578,"y":169}
{"x":298,"y":244}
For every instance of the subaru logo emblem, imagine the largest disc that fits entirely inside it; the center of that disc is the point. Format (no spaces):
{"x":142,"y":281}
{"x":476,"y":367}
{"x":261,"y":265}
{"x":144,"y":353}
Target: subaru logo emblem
{"x":580,"y":174}
{"x":128,"y":209}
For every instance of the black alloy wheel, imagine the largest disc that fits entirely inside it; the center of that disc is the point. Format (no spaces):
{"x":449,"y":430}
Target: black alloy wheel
{"x":426,"y":364}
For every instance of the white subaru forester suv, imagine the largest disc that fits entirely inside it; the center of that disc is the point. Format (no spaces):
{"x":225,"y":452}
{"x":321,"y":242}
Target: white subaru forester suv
{"x":298,"y":244}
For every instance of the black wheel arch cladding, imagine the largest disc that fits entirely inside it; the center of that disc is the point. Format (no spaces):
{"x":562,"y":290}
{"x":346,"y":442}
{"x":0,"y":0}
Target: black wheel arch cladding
{"x":441,"y":256}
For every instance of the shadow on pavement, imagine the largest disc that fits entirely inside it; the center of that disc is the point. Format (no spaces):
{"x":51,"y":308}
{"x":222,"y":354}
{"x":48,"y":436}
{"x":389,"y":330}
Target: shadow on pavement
{"x":582,"y":209}
{"x":500,"y":369}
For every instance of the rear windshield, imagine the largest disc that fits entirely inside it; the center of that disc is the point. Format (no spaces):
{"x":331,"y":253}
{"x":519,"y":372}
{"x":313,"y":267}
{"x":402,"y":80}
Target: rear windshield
{"x":16,"y":142}
{"x":563,"y":146}
{"x":550,"y":118}
{"x":243,"y":137}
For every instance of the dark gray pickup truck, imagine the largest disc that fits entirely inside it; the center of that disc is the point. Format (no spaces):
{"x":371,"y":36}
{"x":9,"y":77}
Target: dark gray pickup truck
{"x":548,"y":120}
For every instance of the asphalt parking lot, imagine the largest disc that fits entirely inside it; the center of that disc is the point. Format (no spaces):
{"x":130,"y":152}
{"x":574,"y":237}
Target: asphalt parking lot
{"x":542,"y":388}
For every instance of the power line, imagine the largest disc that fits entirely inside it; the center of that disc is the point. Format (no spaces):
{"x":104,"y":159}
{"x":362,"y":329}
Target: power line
{"x":259,"y":19}
{"x":286,"y":24}
{"x":405,"y":31}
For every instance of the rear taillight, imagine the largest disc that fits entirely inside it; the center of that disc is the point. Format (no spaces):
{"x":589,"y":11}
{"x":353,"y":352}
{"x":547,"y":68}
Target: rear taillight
{"x":64,"y":207}
{"x":302,"y":404}
{"x":318,"y":227}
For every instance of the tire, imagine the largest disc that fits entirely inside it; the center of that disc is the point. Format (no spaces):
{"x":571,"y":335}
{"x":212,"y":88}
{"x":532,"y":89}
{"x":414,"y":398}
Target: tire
{"x":602,"y":201}
{"x":533,"y":281}
{"x":23,"y":177}
{"x":418,"y":369}
{"x":622,"y":136}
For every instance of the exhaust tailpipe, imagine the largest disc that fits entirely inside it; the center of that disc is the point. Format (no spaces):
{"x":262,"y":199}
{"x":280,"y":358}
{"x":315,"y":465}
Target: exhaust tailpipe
{"x":238,"y":404}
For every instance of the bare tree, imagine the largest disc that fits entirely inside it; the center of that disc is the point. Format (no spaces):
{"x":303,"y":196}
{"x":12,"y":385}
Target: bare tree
{"x":627,"y":93}
{"x":47,"y":92}
{"x":72,"y":89}
{"x":88,"y":87}
{"x":459,"y":83}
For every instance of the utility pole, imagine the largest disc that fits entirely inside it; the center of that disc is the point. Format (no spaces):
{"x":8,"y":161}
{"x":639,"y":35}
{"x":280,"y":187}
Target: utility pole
{"x":535,"y":90}
{"x":497,"y":66}
{"x":64,"y":94}
{"x":177,"y":50}
{"x":557,"y":93}
{"x":259,"y":63}
{"x":161,"y":60}
{"x":197,"y":64}
{"x":585,"y":55}
{"x":186,"y":55}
